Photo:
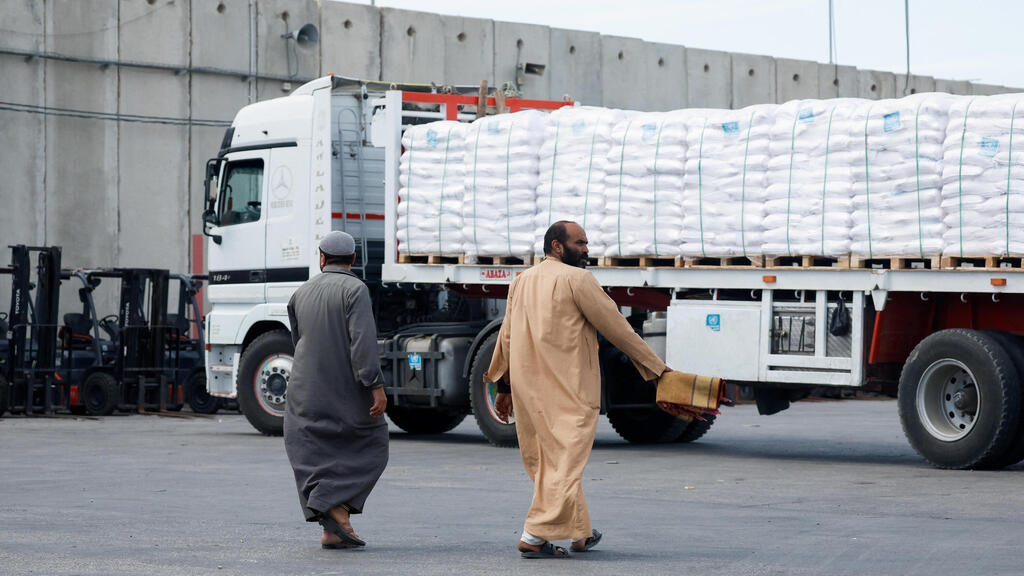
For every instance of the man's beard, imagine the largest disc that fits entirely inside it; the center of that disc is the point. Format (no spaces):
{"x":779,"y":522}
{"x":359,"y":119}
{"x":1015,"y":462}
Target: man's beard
{"x":574,"y":257}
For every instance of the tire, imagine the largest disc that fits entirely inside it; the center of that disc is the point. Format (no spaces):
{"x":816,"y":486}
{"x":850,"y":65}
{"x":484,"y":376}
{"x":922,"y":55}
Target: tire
{"x":641,"y":426}
{"x":960,"y":399}
{"x":1015,"y":348}
{"x":100,"y":394}
{"x":625,"y":386}
{"x":198,"y":397}
{"x":263,"y":373}
{"x":424,"y":420}
{"x":481,"y":397}
{"x":696,"y":429}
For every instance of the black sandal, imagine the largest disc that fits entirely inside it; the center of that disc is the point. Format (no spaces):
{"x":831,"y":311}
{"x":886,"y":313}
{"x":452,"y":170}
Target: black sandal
{"x":588,"y":543}
{"x":548,"y":550}
{"x":332,"y":526}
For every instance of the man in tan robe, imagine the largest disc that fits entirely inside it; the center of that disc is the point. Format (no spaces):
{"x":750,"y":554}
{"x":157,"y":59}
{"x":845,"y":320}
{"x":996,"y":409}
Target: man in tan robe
{"x":546,"y":356}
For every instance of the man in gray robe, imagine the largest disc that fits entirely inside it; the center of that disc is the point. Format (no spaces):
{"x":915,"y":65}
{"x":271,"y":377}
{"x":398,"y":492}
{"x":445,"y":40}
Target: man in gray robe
{"x":334,"y":428}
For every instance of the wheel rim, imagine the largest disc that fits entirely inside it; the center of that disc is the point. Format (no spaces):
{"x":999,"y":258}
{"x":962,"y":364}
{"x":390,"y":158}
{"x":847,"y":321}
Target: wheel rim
{"x":948,"y":400}
{"x":492,"y":395}
{"x":271,"y":383}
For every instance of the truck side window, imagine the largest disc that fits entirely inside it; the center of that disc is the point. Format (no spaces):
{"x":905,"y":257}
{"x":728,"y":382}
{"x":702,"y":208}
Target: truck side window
{"x":240,"y":196}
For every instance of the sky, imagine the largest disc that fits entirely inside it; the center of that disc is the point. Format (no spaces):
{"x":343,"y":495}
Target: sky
{"x":976,"y":40}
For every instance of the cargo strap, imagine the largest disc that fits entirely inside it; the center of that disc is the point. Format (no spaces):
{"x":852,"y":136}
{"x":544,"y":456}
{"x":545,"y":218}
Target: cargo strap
{"x":654,"y":216}
{"x":960,"y":175}
{"x":444,"y":181}
{"x":554,"y":158}
{"x":700,"y":186}
{"x":508,"y":200}
{"x":917,"y":169}
{"x":867,"y":181}
{"x":824,"y":183}
{"x":408,"y":200}
{"x":789,"y":192}
{"x":743,"y":188}
{"x":590,"y":167}
{"x":622,"y":159}
{"x":476,"y":150}
{"x":1009,"y":172}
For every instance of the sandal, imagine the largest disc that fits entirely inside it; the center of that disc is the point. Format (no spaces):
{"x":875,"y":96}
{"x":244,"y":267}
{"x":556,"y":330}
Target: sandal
{"x":588,"y":543}
{"x":332,"y":526}
{"x":548,"y":550}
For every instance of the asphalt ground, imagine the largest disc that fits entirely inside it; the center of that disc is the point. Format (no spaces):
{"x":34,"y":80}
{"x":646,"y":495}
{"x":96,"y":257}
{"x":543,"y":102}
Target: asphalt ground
{"x":823,"y":488}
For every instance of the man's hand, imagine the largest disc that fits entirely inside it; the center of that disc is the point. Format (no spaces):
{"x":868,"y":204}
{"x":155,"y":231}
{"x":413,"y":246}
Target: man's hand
{"x":380,"y":402}
{"x":503,"y":406}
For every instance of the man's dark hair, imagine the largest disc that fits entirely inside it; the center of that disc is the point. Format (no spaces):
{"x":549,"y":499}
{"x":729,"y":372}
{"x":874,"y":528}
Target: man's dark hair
{"x":558,"y":232}
{"x":331,"y":260}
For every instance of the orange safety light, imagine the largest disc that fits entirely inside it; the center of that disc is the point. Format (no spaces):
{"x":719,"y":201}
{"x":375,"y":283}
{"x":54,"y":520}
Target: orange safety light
{"x":998,"y":281}
{"x":768,"y":279}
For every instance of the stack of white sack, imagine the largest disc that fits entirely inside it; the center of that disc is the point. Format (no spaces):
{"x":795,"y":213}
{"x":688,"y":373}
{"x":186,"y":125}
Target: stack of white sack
{"x":573,"y":161}
{"x":897,"y":177}
{"x":501,"y":165}
{"x":431,"y":189}
{"x":643,"y":186}
{"x":807,"y":202}
{"x":983,"y":177}
{"x":725,"y":184}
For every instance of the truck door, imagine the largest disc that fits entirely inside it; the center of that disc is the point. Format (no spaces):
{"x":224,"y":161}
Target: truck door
{"x":289,"y":254}
{"x":237,"y":264}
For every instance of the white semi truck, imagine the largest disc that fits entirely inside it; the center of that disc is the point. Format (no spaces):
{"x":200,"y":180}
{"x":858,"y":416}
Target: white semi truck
{"x":326,"y":158}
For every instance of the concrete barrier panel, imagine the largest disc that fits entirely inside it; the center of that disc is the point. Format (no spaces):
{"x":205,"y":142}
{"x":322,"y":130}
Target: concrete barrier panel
{"x":522,"y":43}
{"x":21,"y":164}
{"x":576,"y":66}
{"x":960,"y":87}
{"x":838,"y":81}
{"x":350,"y":40}
{"x":918,"y":84}
{"x":753,"y":80}
{"x":81,"y":153}
{"x":795,"y":79}
{"x":412,"y":47}
{"x":986,"y":89}
{"x":876,"y":85}
{"x":285,"y":57}
{"x":468,"y":51}
{"x":624,"y":72}
{"x":708,"y":79}
{"x":666,"y":77}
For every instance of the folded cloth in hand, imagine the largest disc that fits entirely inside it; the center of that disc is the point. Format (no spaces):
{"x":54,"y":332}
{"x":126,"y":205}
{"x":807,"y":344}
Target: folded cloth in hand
{"x":690,"y":396}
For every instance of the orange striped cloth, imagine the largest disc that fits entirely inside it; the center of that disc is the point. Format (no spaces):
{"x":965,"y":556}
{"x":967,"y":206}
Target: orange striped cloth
{"x":690,"y":396}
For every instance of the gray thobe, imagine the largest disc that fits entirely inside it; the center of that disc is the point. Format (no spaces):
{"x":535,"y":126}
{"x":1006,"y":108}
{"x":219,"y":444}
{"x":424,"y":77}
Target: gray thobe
{"x":336,"y":449}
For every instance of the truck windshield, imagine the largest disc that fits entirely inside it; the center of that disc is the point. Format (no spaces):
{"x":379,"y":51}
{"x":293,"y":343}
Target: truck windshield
{"x":240,"y":198}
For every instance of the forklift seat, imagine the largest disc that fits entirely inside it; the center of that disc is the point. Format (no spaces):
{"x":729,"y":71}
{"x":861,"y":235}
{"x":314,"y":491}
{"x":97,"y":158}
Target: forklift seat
{"x":76,"y":331}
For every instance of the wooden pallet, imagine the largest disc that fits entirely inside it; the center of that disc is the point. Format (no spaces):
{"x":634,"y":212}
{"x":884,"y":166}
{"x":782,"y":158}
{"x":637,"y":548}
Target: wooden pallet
{"x":501,"y":261}
{"x":724,"y":262}
{"x":807,"y":261}
{"x":430,"y":259}
{"x":640,"y":262}
{"x":896,"y":263}
{"x":984,"y":262}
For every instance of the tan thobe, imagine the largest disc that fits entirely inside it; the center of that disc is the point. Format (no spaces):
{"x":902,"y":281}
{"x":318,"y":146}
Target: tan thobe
{"x":547,"y":351}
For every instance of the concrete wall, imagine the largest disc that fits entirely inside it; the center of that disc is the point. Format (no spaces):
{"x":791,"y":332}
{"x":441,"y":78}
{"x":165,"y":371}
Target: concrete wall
{"x":130,"y":193}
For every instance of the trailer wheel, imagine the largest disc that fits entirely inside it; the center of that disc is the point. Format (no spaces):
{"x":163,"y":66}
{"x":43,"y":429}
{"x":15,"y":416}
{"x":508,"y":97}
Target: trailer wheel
{"x":640,"y":426}
{"x":624,"y":386}
{"x":1015,"y":348}
{"x":263,"y":373}
{"x":100,"y":394}
{"x":424,"y":420}
{"x":960,"y":399}
{"x":482,"y":395}
{"x":198,"y":397}
{"x":696,"y":429}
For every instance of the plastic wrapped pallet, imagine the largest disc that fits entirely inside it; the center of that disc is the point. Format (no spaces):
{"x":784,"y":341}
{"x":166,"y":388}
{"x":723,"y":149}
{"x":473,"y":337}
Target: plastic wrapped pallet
{"x":897,"y":177}
{"x":643,"y":186}
{"x":983,"y":179}
{"x":808,"y":197}
{"x":430,"y":193}
{"x":725,"y":184}
{"x":501,"y":171}
{"x":573,"y":161}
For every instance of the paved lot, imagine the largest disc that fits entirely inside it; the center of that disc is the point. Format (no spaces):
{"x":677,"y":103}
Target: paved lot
{"x":824,"y":488}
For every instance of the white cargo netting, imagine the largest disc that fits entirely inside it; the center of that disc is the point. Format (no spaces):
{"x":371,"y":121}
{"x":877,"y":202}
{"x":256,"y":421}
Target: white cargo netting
{"x":725,"y":182}
{"x":501,"y":174}
{"x":983,"y":180}
{"x":430,"y":194}
{"x":573,"y":162}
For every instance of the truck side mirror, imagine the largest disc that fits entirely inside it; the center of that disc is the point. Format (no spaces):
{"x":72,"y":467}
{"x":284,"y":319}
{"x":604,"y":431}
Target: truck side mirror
{"x":210,"y":220}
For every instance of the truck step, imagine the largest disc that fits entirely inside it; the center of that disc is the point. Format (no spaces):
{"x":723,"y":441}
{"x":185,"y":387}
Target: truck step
{"x":430,"y":259}
{"x":807,"y":261}
{"x":986,"y":262}
{"x":723,"y":262}
{"x":897,"y":263}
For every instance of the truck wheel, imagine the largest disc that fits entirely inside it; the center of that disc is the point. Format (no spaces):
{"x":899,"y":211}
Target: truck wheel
{"x":100,"y":394}
{"x":481,"y":397}
{"x":1015,"y":348}
{"x":424,"y":420}
{"x":625,"y":386}
{"x":646,"y":426}
{"x":263,"y":373}
{"x":198,"y":397}
{"x":960,"y":399}
{"x":696,"y":429}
